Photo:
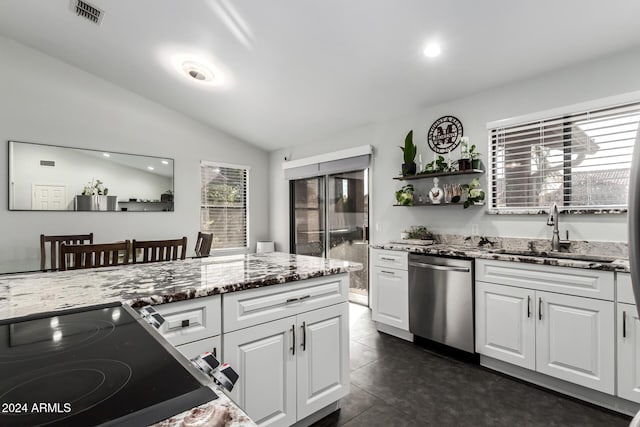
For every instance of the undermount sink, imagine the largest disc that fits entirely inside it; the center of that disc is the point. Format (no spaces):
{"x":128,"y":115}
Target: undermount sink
{"x":603,"y":259}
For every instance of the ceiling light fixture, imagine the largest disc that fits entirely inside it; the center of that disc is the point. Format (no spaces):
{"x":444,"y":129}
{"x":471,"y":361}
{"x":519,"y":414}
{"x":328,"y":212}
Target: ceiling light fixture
{"x":150,"y":168}
{"x":197,"y":71}
{"x":432,"y":50}
{"x":106,"y":154}
{"x":164,"y":162}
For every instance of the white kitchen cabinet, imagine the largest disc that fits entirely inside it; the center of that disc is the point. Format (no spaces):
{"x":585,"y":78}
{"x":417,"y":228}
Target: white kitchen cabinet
{"x":292,"y":367}
{"x":208,"y":345}
{"x":390,"y":297}
{"x":628,"y":339}
{"x":575,"y":340}
{"x":263,"y":357}
{"x":322,"y":358}
{"x":558,"y":321}
{"x":505,"y":325}
{"x":389,"y":292}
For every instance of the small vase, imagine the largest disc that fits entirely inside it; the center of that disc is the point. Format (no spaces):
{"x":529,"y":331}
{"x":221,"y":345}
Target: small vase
{"x":475,"y":164}
{"x":436,"y":193}
{"x":409,"y":168}
{"x":464,"y":164}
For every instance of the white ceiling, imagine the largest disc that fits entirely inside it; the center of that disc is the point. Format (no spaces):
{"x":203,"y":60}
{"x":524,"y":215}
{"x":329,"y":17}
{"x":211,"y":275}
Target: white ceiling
{"x":297,"y":71}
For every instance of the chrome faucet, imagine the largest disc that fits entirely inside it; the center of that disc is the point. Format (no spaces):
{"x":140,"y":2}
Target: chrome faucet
{"x":552,"y":220}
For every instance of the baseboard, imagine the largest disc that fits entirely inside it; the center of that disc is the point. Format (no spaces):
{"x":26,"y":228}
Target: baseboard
{"x":400,"y":333}
{"x":318,"y":415}
{"x":598,"y":398}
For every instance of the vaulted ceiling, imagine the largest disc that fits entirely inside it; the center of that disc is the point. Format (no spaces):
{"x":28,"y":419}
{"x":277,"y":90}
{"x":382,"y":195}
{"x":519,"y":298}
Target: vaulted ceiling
{"x":294,"y":71}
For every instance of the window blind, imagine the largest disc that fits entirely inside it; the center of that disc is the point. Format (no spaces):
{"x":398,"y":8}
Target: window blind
{"x":579,"y":161}
{"x":223,"y":204}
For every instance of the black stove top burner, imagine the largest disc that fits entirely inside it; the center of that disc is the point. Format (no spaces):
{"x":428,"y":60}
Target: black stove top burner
{"x":86,"y":384}
{"x":29,"y":340}
{"x":89,"y":368}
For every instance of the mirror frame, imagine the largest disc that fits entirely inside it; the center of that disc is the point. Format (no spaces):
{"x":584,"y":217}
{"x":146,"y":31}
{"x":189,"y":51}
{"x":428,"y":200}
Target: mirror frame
{"x":11,"y":167}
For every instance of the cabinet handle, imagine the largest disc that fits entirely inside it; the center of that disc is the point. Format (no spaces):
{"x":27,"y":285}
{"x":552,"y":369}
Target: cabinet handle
{"x":540,"y":308}
{"x":293,"y":334}
{"x":290,"y":300}
{"x":215,"y":352}
{"x":387,"y":259}
{"x":304,"y":336}
{"x":387,"y":272}
{"x":624,"y":324}
{"x":528,"y":305}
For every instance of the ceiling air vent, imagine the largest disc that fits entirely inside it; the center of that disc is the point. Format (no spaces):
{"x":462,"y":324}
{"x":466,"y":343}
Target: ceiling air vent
{"x":87,"y":11}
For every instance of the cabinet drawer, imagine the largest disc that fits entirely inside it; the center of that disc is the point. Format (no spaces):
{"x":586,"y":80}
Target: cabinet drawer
{"x":191,"y":320}
{"x":389,"y":259}
{"x":248,"y":308}
{"x":193,"y":349}
{"x":564,"y":280}
{"x":625,"y":289}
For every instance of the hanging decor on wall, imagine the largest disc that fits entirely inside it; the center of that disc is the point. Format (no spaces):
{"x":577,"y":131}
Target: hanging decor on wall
{"x":444,"y":134}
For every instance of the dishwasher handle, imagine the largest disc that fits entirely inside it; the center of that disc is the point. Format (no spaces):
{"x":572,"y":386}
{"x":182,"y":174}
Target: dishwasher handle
{"x":438,"y":267}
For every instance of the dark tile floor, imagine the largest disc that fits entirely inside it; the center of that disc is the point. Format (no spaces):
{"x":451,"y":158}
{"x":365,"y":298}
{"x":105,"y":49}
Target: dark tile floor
{"x":396,"y":383}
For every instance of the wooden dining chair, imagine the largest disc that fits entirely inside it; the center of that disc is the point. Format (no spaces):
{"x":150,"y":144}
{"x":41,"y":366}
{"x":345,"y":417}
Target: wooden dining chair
{"x":203,"y":244}
{"x":159,"y":250}
{"x":75,"y":257}
{"x":54,"y":250}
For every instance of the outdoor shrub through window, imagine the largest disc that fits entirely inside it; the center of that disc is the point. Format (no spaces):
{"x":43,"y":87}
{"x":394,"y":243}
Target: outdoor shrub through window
{"x":223,"y":204}
{"x":580,"y":161}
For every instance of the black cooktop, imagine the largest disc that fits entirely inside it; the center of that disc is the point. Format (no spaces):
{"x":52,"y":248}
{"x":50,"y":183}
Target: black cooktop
{"x":90,"y":367}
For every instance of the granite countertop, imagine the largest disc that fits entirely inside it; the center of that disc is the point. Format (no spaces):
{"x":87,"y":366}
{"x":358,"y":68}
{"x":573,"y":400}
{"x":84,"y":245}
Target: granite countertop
{"x":157,"y":283}
{"x":515,"y":255}
{"x":219,"y":412}
{"x":164,"y":282}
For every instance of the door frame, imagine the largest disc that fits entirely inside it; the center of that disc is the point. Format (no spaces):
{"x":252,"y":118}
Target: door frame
{"x":325,"y":193}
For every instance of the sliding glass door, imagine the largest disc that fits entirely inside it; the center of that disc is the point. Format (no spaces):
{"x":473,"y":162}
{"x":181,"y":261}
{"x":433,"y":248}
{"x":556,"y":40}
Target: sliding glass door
{"x":330,"y":217}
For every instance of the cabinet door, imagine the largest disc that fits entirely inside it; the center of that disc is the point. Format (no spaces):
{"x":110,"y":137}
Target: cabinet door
{"x":390,"y":297}
{"x":575,"y":340}
{"x":505,"y":325}
{"x":323,"y":358}
{"x":263,"y":357}
{"x":210,"y":345}
{"x":628,"y":352}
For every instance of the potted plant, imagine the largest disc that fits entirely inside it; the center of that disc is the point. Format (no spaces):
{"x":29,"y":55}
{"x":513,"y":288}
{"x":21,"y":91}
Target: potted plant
{"x":94,"y":197}
{"x":464,"y":163}
{"x":167,"y":196}
{"x":474,"y":156}
{"x":438,"y":165}
{"x":409,"y":150}
{"x":404,"y":196}
{"x":475,"y":195}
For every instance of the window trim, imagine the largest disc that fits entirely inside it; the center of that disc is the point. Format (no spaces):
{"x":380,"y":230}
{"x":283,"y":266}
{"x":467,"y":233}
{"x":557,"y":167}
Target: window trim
{"x":596,"y":104}
{"x":247,"y":201}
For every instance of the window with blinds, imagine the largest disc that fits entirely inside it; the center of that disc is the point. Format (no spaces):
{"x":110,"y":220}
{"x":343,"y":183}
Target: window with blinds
{"x":579,"y":161}
{"x":223,"y":204}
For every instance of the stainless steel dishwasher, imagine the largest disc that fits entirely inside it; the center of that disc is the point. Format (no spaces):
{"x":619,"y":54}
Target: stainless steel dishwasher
{"x":441,"y":300}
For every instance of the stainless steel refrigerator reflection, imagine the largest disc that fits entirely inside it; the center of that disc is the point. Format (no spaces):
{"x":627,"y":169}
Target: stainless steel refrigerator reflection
{"x":634,"y":231}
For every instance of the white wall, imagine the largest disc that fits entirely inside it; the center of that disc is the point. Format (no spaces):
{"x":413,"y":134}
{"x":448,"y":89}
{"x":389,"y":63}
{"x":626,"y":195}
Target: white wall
{"x":580,"y":83}
{"x":74,"y":169}
{"x":47,"y":101}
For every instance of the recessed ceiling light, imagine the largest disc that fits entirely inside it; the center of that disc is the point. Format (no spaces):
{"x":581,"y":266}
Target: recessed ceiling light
{"x":150,"y":168}
{"x":432,"y":50}
{"x":197,"y":71}
{"x":106,"y":154}
{"x":164,"y":162}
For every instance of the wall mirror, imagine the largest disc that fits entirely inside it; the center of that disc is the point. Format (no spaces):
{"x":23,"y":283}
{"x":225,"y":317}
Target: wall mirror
{"x":55,"y":178}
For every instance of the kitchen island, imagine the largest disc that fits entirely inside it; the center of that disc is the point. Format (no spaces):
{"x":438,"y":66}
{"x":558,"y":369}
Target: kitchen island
{"x":310,"y":287}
